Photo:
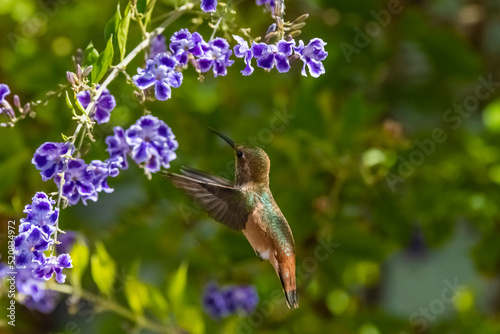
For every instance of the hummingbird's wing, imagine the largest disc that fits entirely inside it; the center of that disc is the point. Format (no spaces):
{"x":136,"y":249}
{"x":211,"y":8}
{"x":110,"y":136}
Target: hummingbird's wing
{"x":202,"y":176}
{"x":223,"y":203}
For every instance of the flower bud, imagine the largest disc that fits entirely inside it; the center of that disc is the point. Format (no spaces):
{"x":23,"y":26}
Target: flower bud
{"x":301,"y":18}
{"x":72,"y":78}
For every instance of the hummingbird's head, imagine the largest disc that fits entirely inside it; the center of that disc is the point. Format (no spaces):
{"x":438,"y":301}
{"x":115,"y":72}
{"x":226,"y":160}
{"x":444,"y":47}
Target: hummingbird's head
{"x":252,"y":163}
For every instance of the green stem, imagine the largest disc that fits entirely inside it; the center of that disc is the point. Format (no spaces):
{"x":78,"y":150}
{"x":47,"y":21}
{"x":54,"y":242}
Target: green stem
{"x":110,"y":305}
{"x":215,"y":28}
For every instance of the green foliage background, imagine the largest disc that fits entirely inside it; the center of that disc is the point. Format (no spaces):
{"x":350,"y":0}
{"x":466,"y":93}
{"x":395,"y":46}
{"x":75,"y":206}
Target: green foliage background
{"x":398,"y":242}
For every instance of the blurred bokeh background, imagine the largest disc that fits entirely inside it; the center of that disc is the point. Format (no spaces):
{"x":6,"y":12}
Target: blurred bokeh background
{"x":387,"y":168}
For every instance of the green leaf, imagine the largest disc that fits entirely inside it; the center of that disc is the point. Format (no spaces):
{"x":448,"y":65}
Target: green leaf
{"x":111,"y":27}
{"x":157,"y":302}
{"x":491,"y":116}
{"x":142,"y":6}
{"x":90,"y":55}
{"x":103,"y":269}
{"x":70,"y":104}
{"x":122,"y":33}
{"x":103,"y":62}
{"x":136,"y":292}
{"x":80,"y":256}
{"x":177,"y":286}
{"x":146,"y":7}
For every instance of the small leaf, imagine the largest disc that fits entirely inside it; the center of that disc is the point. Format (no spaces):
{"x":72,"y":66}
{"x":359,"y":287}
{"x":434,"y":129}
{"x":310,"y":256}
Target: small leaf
{"x":103,"y":62}
{"x":90,"y":55}
{"x":80,"y":256}
{"x":122,"y":33}
{"x":136,"y":292}
{"x":157,"y":302}
{"x":177,"y":286}
{"x":103,"y":269}
{"x":112,"y":25}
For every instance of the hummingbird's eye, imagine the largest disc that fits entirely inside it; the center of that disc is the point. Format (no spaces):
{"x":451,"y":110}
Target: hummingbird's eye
{"x":239,"y":154}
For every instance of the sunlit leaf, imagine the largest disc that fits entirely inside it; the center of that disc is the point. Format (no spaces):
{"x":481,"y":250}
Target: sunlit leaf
{"x":80,"y":256}
{"x":177,"y":286}
{"x":103,"y":269}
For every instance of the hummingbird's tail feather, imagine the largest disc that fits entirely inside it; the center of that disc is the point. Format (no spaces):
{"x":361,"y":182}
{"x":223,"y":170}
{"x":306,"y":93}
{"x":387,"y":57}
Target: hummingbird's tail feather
{"x":286,"y":272}
{"x":290,"y":288}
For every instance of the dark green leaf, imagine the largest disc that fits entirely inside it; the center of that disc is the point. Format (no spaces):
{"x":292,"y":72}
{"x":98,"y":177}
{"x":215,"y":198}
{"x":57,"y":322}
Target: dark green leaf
{"x":104,"y":61}
{"x":90,"y":55}
{"x":142,"y":6}
{"x":111,"y":27}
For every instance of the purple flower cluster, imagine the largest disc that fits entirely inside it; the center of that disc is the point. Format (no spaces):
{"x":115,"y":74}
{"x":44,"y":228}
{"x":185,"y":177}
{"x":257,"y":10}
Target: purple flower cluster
{"x":33,"y":267}
{"x":164,"y":69}
{"x":34,"y":295}
{"x":103,"y":107}
{"x":150,"y":142}
{"x":279,"y":55}
{"x":222,"y":302}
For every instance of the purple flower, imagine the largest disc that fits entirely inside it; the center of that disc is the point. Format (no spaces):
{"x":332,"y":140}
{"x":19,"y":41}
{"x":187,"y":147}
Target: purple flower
{"x":245,"y":299}
{"x":312,"y":55}
{"x":29,"y":245}
{"x":269,"y":56}
{"x":184,"y":43}
{"x":242,"y":50}
{"x":264,"y":2}
{"x":214,"y":302}
{"x":41,"y":214}
{"x":51,"y":265}
{"x":229,"y":300}
{"x":208,"y":5}
{"x":270,"y":3}
{"x":4,"y":91}
{"x":46,"y":305}
{"x":152,"y":142}
{"x":217,"y":56}
{"x":67,"y":240}
{"x":103,"y":107}
{"x":101,"y":170}
{"x":161,"y":73}
{"x":118,"y":147}
{"x":158,"y":45}
{"x":27,"y":284}
{"x":78,"y":183}
{"x":49,"y":160}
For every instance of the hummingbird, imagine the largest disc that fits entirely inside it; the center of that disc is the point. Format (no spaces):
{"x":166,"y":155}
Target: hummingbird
{"x":247,"y":205}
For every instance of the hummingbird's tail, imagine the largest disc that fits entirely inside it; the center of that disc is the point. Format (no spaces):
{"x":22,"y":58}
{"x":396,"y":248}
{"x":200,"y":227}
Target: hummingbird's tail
{"x":287,"y":278}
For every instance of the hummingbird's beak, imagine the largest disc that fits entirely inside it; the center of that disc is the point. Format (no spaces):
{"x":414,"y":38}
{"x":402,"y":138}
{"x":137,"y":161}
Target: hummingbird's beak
{"x":229,"y":141}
